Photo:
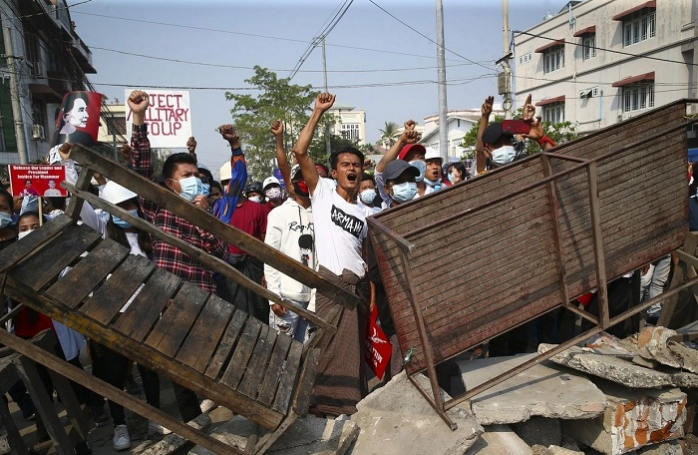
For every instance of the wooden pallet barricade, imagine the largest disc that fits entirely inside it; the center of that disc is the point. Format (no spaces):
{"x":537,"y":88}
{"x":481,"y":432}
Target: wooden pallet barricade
{"x":191,"y":336}
{"x":473,"y":261}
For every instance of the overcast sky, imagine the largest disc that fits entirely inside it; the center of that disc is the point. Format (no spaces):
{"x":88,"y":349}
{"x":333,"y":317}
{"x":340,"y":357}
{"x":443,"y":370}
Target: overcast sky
{"x":473,"y":30}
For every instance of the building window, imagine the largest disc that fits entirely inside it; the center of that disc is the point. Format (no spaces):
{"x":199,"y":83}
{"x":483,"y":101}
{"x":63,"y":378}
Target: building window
{"x":525,"y":58}
{"x":350,"y":131}
{"x":638,"y":96}
{"x":554,"y":59}
{"x":589,"y":47}
{"x":639,"y":26}
{"x":554,"y":112}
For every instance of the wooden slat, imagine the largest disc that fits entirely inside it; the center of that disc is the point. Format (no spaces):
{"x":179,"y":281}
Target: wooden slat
{"x":225,"y":349}
{"x":254,"y":376}
{"x":139,"y":318}
{"x":200,"y":344}
{"x":304,"y":391}
{"x":174,"y":325}
{"x":243,"y":351}
{"x":88,"y":274}
{"x":288,"y":378}
{"x":48,"y":263}
{"x":273,"y":375}
{"x":118,"y":289}
{"x":18,"y":250}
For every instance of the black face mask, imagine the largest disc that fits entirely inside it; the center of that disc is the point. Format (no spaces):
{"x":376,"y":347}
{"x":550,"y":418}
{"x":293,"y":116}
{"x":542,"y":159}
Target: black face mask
{"x":301,"y":188}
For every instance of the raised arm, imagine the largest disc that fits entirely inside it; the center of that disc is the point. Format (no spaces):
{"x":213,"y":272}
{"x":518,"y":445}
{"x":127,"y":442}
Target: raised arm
{"x":394,"y":151}
{"x":224,"y":207}
{"x":141,"y":157}
{"x":277,"y":129}
{"x":480,"y":154}
{"x":323,"y":102}
{"x":536,"y":133}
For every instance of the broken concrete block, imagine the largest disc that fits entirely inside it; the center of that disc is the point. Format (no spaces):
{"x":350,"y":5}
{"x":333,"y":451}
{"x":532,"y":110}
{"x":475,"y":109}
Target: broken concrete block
{"x":539,"y":431}
{"x":665,"y":448}
{"x":543,"y":390}
{"x":497,"y":440}
{"x":619,"y":370}
{"x":397,"y":419}
{"x":652,"y":345}
{"x":633,"y":419}
{"x":557,"y":450}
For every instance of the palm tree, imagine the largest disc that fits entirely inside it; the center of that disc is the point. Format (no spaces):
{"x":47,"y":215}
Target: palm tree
{"x":389,"y":133}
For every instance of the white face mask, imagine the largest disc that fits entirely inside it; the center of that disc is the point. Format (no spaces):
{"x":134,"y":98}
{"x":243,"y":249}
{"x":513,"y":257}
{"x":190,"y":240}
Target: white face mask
{"x":503,"y":155}
{"x":273,"y":193}
{"x":255,"y":199}
{"x":367,"y":196}
{"x":23,"y":234}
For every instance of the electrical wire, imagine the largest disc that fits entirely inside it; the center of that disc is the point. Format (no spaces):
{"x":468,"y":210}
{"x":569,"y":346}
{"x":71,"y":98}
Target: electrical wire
{"x":629,"y":54}
{"x":58,"y":8}
{"x":426,"y":37}
{"x":216,"y":65}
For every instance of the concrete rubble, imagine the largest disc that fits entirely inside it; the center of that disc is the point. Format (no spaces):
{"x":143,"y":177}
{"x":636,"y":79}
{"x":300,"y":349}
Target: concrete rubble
{"x":397,"y":419}
{"x":542,"y":390}
{"x":497,"y":440}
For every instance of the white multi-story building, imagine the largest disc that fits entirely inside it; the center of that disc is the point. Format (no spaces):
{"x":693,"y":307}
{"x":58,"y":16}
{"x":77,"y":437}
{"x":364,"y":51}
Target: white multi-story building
{"x":112,"y":128}
{"x":351,"y":124}
{"x":598,"y":62}
{"x":50,"y":61}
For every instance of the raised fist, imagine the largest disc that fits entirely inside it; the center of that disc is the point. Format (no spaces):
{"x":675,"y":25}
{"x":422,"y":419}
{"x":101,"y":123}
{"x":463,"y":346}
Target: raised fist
{"x":529,"y":110}
{"x":64,"y":151}
{"x":277,"y":128}
{"x":324,"y":101}
{"x":487,"y":106}
{"x":410,"y":137}
{"x":410,"y":124}
{"x":138,"y":101}
{"x":229,"y":134}
{"x":191,"y":145}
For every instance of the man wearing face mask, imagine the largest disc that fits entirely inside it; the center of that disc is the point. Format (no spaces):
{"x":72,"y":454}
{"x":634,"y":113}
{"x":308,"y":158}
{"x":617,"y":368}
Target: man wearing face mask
{"x":180,"y":173}
{"x":254,"y":192}
{"x":433,"y":177}
{"x":273,"y":193}
{"x":405,"y":149}
{"x":499,"y":145}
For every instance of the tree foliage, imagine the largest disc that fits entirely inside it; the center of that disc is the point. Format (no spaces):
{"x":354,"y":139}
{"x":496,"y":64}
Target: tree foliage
{"x":253,"y":115}
{"x":318,"y":148}
{"x":389,"y":133}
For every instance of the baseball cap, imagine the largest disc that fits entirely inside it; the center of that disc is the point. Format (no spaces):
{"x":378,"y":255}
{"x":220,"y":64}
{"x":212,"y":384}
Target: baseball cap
{"x":411,"y":147}
{"x":493,"y":133}
{"x":270,"y":181}
{"x":395,"y":169}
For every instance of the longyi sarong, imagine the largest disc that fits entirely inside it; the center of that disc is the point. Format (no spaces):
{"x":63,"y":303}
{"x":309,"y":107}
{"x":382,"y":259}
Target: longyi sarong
{"x":341,"y":382}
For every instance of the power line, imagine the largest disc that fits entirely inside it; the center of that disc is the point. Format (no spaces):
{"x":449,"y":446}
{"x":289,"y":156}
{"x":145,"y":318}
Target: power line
{"x":648,"y":57}
{"x":58,"y":8}
{"x":253,"y":35}
{"x":217,"y":65}
{"x":425,"y":36}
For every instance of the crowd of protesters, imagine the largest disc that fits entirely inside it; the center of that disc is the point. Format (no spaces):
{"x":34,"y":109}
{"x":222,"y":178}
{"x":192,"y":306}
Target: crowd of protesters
{"x":316,"y":214}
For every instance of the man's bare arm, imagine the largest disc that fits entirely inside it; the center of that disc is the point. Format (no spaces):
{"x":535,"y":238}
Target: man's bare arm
{"x":323,"y":102}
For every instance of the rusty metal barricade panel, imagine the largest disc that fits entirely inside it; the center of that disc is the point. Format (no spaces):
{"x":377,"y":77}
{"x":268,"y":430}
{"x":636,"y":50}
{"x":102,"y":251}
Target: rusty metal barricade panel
{"x":484,"y":272}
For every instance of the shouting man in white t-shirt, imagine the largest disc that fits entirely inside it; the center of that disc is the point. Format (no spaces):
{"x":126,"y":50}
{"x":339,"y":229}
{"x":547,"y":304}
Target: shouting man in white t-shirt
{"x":340,"y":231}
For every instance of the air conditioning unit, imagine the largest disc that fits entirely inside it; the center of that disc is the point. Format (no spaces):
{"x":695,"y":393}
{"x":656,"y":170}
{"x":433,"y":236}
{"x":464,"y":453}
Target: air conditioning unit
{"x":38,"y":133}
{"x":38,"y":70}
{"x":587,"y":93}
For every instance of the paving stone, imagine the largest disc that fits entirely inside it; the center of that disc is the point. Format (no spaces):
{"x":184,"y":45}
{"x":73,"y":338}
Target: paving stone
{"x":539,"y":431}
{"x":543,"y":390}
{"x":633,"y":419}
{"x":498,"y":440}
{"x":396,"y":419}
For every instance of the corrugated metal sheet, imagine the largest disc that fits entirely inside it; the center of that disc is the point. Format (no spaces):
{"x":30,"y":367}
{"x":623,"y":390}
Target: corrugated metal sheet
{"x":478,"y":272}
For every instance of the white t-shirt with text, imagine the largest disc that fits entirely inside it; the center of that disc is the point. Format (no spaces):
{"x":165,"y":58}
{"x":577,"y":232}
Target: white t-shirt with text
{"x":340,"y":229}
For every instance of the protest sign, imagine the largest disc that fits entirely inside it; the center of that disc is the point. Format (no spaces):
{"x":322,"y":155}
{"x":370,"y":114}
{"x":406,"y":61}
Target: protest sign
{"x":37,"y":180}
{"x":78,"y":119}
{"x":168,"y":118}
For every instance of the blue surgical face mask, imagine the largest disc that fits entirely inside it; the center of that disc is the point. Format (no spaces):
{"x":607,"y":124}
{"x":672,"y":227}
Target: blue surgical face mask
{"x":451,"y":177}
{"x":421,"y":166}
{"x":434,"y":184}
{"x":367,"y":196}
{"x":206,"y":189}
{"x":5,"y":219}
{"x":122,"y":223}
{"x":404,"y":192}
{"x":191,"y":187}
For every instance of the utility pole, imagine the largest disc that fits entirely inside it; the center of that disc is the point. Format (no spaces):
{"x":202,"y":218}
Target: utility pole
{"x":507,"y":104}
{"x":324,"y":73}
{"x":441,"y":62}
{"x":14,"y":96}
